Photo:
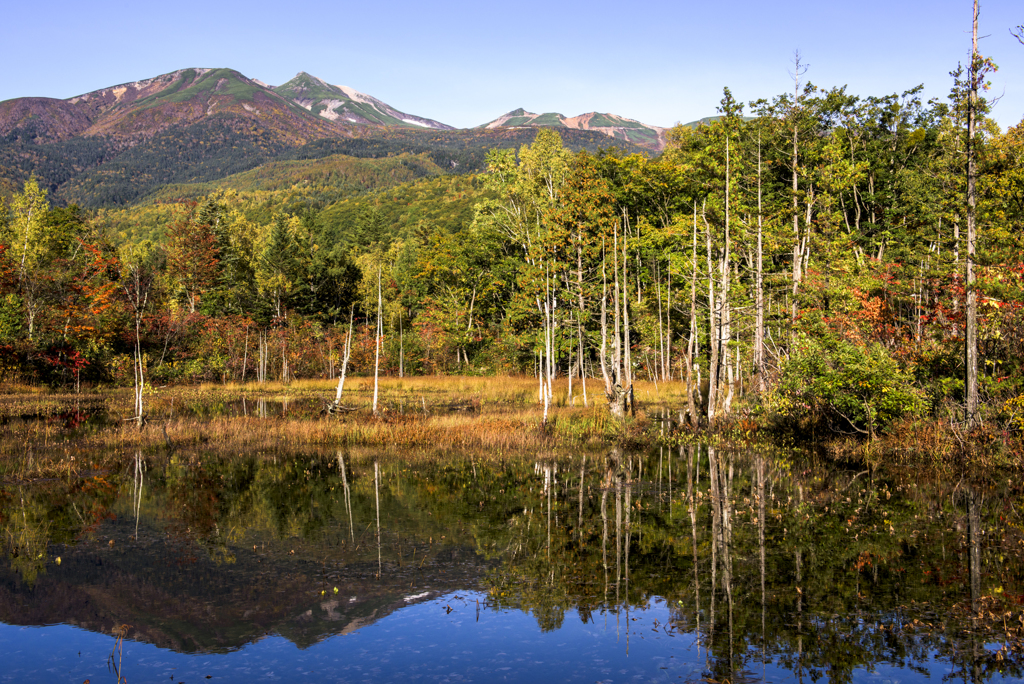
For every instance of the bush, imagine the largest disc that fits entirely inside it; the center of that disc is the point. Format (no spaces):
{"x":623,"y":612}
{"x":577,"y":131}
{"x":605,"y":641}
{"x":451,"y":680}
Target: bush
{"x":853,"y":387}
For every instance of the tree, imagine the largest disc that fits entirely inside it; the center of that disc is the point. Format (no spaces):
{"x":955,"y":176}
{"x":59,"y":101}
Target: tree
{"x":277,"y":268}
{"x":193,"y":252}
{"x":138,"y":269}
{"x":980,"y":66}
{"x":27,"y":236}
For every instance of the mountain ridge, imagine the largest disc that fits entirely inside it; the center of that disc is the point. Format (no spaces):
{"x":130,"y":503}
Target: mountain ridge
{"x":614,"y":126}
{"x":115,"y":145}
{"x":342,"y":103}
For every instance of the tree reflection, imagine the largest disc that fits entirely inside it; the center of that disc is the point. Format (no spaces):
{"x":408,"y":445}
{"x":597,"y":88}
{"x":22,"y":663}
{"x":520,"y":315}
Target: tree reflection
{"x":813,"y":568}
{"x":27,"y":534}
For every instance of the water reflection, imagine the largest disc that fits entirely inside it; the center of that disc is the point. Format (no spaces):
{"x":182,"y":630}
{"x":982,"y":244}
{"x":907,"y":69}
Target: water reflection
{"x":742,"y":565}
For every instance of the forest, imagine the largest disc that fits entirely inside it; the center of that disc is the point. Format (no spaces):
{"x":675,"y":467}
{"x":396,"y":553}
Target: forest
{"x":821,"y":262}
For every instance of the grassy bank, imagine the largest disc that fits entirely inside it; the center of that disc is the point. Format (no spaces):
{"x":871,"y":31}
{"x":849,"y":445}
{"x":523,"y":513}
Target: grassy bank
{"x":47,"y":434}
{"x":54,"y":434}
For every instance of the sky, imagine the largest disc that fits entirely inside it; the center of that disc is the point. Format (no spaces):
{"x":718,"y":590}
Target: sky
{"x":466,"y":63}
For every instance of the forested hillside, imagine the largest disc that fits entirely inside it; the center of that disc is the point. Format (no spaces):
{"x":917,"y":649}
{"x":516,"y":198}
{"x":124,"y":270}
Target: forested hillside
{"x":116,"y":146}
{"x":801,"y":259}
{"x":97,"y":172}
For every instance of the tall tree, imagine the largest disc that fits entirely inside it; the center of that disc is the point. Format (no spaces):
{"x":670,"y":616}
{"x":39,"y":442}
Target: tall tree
{"x":139,"y":268}
{"x":193,"y":253}
{"x":976,"y":75}
{"x":26,"y":235}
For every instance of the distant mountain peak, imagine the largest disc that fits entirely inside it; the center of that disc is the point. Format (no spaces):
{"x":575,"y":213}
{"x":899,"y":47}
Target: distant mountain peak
{"x":612,"y":125}
{"x":344,"y":104}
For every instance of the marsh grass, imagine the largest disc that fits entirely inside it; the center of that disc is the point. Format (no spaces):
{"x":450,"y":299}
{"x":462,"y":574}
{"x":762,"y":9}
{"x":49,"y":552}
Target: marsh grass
{"x":491,"y":415}
{"x":935,"y":446}
{"x":41,"y":405}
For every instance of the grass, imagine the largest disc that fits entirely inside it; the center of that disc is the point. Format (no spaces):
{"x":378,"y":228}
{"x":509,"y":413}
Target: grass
{"x":44,"y":434}
{"x":494,"y":416}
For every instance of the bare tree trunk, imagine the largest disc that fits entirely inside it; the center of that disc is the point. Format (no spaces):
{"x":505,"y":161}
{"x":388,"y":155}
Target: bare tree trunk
{"x":797,"y":247}
{"x":668,"y":326}
{"x":545,"y":363}
{"x":245,"y":354}
{"x":570,"y":373}
{"x":540,"y":378}
{"x":140,"y":380}
{"x":660,"y":357}
{"x":627,"y":361}
{"x":136,"y":288}
{"x":690,"y":350}
{"x":380,"y":334}
{"x":726,"y":316}
{"x":346,"y":354}
{"x":551,"y":336}
{"x":285,"y":379}
{"x":606,"y":376}
{"x":713,"y":327}
{"x":582,"y":311}
{"x":971,"y":333}
{"x":759,"y":286}
{"x":260,"y":366}
{"x":617,"y":345}
{"x":617,"y":395}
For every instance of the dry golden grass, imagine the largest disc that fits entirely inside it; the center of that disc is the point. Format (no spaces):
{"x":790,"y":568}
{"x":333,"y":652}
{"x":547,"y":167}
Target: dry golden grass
{"x":10,"y":387}
{"x":492,"y":415}
{"x":505,"y":389}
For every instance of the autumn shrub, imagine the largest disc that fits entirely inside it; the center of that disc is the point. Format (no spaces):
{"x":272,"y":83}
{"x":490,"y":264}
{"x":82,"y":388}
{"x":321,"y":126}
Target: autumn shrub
{"x":850,"y":387}
{"x":1013,"y":413}
{"x":121,"y":369}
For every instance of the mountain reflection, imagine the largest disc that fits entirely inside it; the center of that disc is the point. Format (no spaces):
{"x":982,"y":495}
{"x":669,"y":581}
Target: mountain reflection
{"x":818,"y":570}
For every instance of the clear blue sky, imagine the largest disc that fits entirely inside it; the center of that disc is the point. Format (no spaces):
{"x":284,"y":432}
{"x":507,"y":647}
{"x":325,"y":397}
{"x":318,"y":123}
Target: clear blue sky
{"x":659,"y":61}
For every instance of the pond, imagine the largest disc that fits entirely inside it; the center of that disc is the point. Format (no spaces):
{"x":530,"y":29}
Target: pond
{"x":679,"y":564}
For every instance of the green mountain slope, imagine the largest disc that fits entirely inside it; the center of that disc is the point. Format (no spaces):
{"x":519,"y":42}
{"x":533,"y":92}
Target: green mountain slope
{"x":119,"y":145}
{"x":611,"y":125}
{"x":343,"y":104}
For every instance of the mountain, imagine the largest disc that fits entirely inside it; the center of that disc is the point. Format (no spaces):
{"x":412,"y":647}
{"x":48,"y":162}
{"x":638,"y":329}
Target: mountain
{"x":148,"y":582}
{"x":612,"y":125}
{"x":708,"y":120}
{"x":117,"y":145}
{"x":343,"y":104}
{"x":134,"y":111}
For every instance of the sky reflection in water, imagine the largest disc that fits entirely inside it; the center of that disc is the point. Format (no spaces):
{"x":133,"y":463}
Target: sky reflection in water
{"x":420,"y":642}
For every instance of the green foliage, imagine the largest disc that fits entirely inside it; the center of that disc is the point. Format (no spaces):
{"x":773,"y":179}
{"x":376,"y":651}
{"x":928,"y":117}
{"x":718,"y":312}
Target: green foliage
{"x":854,"y":387}
{"x":615,"y":122}
{"x":10,"y":318}
{"x":548,"y":119}
{"x":847,"y":212}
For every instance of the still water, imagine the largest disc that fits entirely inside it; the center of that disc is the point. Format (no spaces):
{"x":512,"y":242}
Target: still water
{"x":681,"y":564}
